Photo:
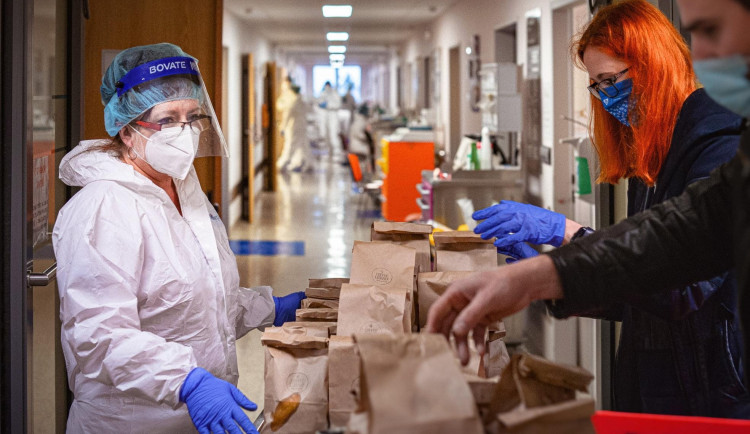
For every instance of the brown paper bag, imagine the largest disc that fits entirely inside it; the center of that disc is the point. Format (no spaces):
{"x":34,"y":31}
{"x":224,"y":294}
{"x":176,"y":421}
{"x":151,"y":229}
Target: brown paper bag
{"x":432,"y":285}
{"x":568,"y":417}
{"x":383,"y":264}
{"x":482,"y":389}
{"x":312,"y":328}
{"x":406,"y":234}
{"x":496,"y":356}
{"x":296,"y":382}
{"x":328,"y":282}
{"x":386,"y":265}
{"x":343,"y":380}
{"x":536,"y":395}
{"x":371,"y":309}
{"x":534,"y":382}
{"x":323,"y":293}
{"x":463,"y":251}
{"x":412,"y":384}
{"x":318,"y":303}
{"x":326,"y":315}
{"x":325,"y":288}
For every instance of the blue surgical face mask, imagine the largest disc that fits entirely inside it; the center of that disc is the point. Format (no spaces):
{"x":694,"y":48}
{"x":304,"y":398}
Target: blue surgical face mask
{"x":725,"y":80}
{"x":619,"y":105}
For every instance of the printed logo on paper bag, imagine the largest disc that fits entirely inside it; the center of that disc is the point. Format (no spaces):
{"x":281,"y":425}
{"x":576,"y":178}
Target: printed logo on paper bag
{"x":373,"y":328}
{"x":297,"y":382}
{"x":381,"y":276}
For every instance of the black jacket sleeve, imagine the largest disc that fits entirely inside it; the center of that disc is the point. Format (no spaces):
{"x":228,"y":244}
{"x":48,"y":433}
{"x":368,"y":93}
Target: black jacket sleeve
{"x":683,"y":240}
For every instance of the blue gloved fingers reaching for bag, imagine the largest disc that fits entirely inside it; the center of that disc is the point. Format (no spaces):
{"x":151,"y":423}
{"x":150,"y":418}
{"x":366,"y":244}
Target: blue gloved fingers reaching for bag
{"x":214,"y":404}
{"x":512,"y":223}
{"x":286,"y":307}
{"x":517,"y":252}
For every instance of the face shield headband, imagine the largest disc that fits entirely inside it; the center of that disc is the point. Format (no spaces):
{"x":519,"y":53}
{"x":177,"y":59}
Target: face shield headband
{"x":157,"y":69}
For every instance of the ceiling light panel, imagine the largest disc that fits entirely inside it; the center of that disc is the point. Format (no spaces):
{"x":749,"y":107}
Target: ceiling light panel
{"x":337,"y":49}
{"x":337,"y":36}
{"x":337,"y":57}
{"x":337,"y":11}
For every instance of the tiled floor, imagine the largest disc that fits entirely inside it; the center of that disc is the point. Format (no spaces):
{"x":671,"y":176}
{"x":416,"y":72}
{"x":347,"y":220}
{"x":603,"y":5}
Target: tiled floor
{"x":316,"y":208}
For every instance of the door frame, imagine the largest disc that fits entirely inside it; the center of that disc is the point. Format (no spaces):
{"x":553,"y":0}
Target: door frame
{"x":17,"y":154}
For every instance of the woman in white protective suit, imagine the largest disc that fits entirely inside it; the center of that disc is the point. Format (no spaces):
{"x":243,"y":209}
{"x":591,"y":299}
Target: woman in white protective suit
{"x":296,"y":153}
{"x":330,"y":101}
{"x":150,"y":300}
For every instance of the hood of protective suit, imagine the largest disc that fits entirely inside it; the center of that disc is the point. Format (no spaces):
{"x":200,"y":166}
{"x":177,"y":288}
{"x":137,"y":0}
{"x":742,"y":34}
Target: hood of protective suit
{"x":83,"y":165}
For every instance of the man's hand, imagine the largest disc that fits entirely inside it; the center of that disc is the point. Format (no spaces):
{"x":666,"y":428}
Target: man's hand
{"x":477,"y":301}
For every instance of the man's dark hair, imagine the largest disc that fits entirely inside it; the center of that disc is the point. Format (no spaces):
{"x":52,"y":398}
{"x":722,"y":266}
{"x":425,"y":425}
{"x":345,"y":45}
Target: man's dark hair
{"x":744,"y":3}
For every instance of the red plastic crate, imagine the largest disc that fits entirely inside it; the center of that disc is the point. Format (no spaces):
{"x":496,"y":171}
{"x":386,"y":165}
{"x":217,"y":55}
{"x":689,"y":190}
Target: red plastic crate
{"x":615,"y":422}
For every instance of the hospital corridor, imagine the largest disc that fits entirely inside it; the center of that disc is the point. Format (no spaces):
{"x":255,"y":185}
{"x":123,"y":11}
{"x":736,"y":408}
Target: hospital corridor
{"x":360,"y":216}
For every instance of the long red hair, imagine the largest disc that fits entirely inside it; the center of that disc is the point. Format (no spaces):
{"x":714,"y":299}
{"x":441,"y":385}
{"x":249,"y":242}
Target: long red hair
{"x":658,"y":59}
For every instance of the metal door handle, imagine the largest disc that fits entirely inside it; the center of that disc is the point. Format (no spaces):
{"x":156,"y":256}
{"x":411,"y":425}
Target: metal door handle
{"x":43,"y":278}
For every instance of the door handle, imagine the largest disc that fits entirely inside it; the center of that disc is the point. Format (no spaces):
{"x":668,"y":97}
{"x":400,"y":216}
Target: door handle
{"x":42,"y":279}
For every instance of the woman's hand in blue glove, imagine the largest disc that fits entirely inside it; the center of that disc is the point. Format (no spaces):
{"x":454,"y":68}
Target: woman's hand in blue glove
{"x":286,"y":307}
{"x":517,"y":252}
{"x":512,"y":223}
{"x":214,"y":404}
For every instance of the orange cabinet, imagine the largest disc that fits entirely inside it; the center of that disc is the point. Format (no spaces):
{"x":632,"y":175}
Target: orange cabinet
{"x":402,"y":166}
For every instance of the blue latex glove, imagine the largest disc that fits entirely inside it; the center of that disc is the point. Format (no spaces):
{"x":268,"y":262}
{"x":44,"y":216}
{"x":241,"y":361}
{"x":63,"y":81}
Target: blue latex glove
{"x":517,"y":252}
{"x":214,"y":404}
{"x":286,"y":307}
{"x":512,"y":223}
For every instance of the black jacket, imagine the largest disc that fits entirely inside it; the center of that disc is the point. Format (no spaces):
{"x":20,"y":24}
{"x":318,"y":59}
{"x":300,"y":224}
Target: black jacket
{"x":700,"y":234}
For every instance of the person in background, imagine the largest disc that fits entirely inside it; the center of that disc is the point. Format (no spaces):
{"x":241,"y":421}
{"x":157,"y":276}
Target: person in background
{"x":150,"y":297}
{"x":296,"y":155}
{"x":360,"y":142}
{"x":349,"y":104}
{"x":283,"y":105}
{"x":680,"y":350}
{"x":330,"y":102}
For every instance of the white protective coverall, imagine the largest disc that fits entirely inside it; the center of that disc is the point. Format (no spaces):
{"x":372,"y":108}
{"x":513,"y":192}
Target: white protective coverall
{"x":296,"y":154}
{"x":332,"y":101}
{"x":146,"y":295}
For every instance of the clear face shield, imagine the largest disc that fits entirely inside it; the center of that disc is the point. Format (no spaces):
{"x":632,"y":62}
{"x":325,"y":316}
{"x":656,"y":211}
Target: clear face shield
{"x":165,"y":94}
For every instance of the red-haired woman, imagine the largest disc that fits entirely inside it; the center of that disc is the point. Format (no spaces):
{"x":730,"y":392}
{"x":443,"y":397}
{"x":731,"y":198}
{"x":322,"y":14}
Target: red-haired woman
{"x":679,"y":352}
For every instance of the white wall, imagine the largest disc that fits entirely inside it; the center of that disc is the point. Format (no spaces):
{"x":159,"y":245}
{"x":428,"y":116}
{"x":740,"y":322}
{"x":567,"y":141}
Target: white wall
{"x":456,"y":27}
{"x":239,"y":39}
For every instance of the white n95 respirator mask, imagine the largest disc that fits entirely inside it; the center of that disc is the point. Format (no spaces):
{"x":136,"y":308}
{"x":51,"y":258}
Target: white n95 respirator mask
{"x":171,"y":151}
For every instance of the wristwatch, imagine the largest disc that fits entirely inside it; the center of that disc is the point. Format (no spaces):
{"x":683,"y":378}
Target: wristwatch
{"x":585,"y":230}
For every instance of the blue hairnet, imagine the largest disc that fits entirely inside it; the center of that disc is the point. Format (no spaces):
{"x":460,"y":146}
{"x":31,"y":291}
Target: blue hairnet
{"x":121,"y":110}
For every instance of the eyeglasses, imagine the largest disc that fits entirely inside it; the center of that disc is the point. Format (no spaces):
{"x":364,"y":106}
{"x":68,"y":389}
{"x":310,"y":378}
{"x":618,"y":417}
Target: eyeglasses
{"x":197,"y":124}
{"x":607,"y":86}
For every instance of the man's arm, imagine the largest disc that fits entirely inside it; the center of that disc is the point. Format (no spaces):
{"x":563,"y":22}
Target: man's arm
{"x":675,"y":243}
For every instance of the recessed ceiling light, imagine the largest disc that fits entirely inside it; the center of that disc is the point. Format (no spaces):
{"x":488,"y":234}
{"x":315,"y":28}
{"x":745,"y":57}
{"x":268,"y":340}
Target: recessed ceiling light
{"x":337,"y":11}
{"x":337,"y":57}
{"x":337,"y":48}
{"x":337,"y":36}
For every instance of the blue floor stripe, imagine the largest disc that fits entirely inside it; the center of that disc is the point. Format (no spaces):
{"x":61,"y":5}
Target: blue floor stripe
{"x":268,"y":248}
{"x":369,"y":214}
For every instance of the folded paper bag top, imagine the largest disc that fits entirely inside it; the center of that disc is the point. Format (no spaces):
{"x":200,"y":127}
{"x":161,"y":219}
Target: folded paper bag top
{"x":413,"y":235}
{"x":463,"y":251}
